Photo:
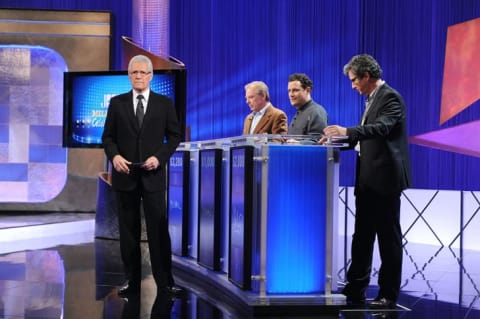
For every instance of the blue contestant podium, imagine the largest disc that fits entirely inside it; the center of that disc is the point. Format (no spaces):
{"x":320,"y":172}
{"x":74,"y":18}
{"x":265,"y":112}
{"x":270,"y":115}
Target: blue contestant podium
{"x":257,"y":214}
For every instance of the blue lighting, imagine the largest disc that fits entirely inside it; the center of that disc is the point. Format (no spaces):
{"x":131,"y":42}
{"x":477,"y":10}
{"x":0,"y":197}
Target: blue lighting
{"x":91,"y":97}
{"x":296,"y":229}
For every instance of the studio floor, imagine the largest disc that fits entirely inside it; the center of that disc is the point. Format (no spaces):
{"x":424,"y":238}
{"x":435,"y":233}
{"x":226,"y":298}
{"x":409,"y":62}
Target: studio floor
{"x":51,"y":266}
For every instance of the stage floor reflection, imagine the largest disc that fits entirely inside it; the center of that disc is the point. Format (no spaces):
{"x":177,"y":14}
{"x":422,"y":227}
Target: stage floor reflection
{"x":78,"y":278}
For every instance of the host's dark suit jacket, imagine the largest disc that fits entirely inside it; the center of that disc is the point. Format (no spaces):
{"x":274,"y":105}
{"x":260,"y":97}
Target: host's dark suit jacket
{"x":384,"y":163}
{"x":159,"y":136}
{"x":274,"y":121}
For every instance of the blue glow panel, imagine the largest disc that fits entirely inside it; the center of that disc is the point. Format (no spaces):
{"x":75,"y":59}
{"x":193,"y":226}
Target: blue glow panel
{"x":296,"y":219}
{"x":237,"y":216}
{"x":4,"y":133}
{"x":46,"y":135}
{"x":209,"y":208}
{"x":176,"y":201}
{"x":46,"y":154}
{"x":13,"y":172}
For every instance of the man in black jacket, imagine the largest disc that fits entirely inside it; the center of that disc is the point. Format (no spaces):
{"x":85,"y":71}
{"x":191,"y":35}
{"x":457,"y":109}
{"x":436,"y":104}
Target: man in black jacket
{"x":382,"y":172}
{"x":141,"y":133}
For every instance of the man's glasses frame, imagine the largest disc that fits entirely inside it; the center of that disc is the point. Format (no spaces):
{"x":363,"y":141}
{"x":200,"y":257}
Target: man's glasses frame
{"x":142,"y":73}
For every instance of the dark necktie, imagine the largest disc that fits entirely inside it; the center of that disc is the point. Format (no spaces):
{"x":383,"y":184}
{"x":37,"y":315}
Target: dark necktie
{"x":139,"y":113}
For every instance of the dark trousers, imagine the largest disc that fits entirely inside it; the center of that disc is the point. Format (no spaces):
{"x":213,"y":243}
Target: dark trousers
{"x":159,"y":244}
{"x":376,"y":216}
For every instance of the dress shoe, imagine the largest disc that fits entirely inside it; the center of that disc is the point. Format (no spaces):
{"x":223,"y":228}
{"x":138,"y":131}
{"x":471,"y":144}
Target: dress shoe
{"x":129,"y":288}
{"x":383,"y":303}
{"x":356,"y":302}
{"x":382,"y":314}
{"x":355,"y":298}
{"x":171,"y":290}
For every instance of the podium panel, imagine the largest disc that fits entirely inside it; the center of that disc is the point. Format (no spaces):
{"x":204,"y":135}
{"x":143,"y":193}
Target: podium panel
{"x":209,"y":208}
{"x":241,"y":207}
{"x":178,"y":201}
{"x":270,"y":204}
{"x":296,"y":219}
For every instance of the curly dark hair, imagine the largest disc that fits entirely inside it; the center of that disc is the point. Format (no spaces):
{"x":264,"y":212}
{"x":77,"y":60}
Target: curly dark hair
{"x":304,"y":80}
{"x":362,"y":63}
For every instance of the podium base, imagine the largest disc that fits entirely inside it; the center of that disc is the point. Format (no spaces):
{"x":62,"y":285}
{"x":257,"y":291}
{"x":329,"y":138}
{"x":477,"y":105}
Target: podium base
{"x":218,"y":287}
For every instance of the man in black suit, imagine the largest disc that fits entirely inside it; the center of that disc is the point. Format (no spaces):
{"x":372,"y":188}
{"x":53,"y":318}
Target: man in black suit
{"x":382,"y":172}
{"x":141,"y":133}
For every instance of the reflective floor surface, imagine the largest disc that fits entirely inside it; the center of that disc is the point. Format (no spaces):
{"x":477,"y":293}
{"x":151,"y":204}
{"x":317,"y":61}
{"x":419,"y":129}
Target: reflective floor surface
{"x":76,"y":276}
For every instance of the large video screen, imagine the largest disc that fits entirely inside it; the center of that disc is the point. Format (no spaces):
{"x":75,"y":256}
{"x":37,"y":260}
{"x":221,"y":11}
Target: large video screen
{"x":87,"y":96}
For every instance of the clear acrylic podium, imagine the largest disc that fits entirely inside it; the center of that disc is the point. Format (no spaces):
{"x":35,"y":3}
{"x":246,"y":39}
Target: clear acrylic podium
{"x":257,"y":212}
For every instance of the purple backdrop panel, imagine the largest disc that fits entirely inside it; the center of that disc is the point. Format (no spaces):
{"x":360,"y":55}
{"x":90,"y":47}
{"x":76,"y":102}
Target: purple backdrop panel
{"x":461,"y":139}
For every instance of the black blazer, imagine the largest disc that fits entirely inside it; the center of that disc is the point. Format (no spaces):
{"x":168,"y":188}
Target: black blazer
{"x":384,"y":162}
{"x":159,"y":136}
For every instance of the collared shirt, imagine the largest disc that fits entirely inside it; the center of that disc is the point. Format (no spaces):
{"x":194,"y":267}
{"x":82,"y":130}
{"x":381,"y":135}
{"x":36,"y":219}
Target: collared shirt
{"x":146,"y":95}
{"x":368,"y":103}
{"x":257,"y":116}
{"x":369,"y":100}
{"x":310,"y":119}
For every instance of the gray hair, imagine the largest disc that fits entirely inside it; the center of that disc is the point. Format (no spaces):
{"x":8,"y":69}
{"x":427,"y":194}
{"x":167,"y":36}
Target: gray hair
{"x":260,"y":87}
{"x":142,"y":59}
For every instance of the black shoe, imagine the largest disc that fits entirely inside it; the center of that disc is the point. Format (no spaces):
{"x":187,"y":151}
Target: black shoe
{"x":354,"y":297}
{"x":383,"y":303}
{"x":171,"y":290}
{"x":382,"y":314}
{"x":129,"y":288}
{"x":355,"y":302}
{"x":162,"y":307}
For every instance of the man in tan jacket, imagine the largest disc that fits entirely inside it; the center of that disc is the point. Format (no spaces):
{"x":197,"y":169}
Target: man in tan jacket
{"x":265,"y":118}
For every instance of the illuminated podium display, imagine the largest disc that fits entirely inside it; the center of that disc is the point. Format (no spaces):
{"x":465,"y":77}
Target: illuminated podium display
{"x":209,"y":206}
{"x":178,"y":201}
{"x":241,"y":213}
{"x":262,"y":212}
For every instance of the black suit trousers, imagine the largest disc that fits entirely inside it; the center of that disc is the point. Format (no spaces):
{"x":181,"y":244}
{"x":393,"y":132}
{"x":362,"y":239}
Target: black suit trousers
{"x":129,"y":217}
{"x":377,"y":216}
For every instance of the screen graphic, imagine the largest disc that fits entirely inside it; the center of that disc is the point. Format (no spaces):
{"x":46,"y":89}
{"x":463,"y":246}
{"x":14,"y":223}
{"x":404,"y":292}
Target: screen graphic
{"x":87,"y":96}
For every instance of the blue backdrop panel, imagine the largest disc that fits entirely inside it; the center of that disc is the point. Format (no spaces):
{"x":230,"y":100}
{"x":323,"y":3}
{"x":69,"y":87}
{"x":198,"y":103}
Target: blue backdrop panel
{"x":224,"y":46}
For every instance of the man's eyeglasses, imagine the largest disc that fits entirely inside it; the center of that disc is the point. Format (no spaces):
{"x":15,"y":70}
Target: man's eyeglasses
{"x":142,"y":73}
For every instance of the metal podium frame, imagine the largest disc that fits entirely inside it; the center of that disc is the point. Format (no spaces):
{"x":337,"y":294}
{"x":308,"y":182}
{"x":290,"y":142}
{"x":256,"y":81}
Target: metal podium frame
{"x":263,"y":147}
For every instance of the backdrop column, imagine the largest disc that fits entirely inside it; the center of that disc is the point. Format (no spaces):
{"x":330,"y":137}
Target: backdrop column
{"x":150,"y":25}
